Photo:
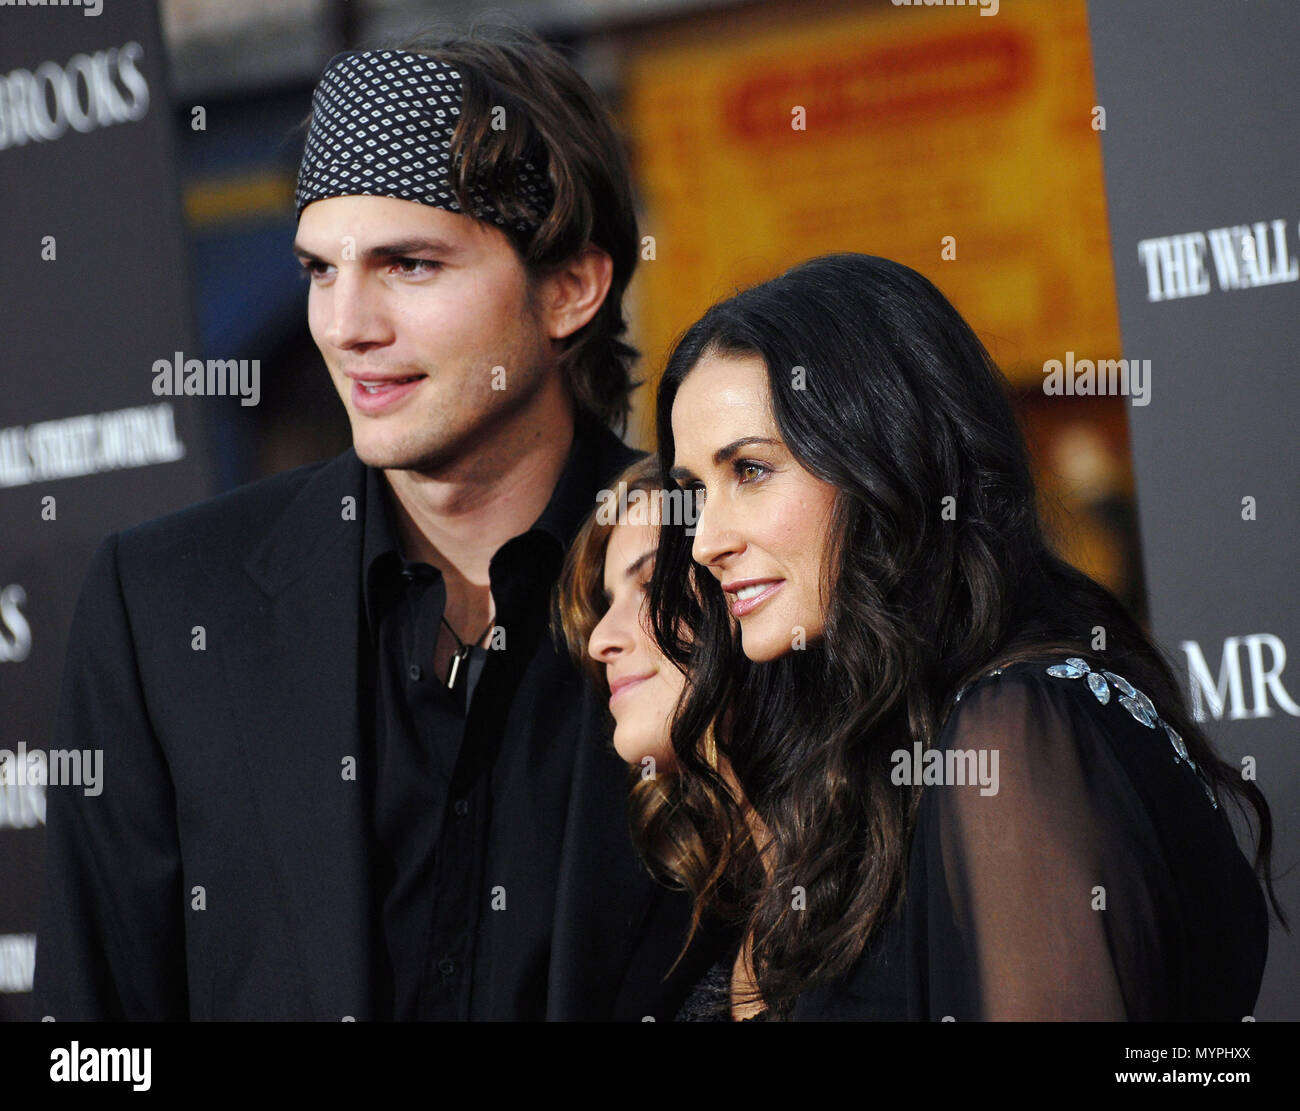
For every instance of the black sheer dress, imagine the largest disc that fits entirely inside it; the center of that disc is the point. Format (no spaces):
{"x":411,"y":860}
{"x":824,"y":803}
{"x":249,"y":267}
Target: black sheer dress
{"x":1101,"y":880}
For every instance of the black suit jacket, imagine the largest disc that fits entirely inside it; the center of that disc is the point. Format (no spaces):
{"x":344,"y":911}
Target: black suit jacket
{"x":223,"y":787}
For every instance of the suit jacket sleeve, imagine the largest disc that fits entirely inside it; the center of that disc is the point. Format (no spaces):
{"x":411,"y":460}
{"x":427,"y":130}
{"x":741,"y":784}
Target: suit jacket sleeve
{"x":111,"y":939}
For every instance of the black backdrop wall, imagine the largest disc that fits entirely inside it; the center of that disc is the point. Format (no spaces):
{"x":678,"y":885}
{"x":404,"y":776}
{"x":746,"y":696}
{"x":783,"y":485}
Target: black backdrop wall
{"x":93,"y":290}
{"x":1202,"y":101}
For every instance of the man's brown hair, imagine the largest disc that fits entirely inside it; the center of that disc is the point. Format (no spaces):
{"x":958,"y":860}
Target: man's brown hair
{"x":554,"y":120}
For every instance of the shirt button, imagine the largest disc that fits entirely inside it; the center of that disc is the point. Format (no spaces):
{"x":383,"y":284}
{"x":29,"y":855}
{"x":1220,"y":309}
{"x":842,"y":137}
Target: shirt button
{"x":446,"y":966}
{"x":461,"y":808}
{"x":415,"y":672}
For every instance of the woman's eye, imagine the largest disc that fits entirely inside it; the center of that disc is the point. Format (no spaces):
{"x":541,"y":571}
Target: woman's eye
{"x":310,"y":271}
{"x":749,"y":471}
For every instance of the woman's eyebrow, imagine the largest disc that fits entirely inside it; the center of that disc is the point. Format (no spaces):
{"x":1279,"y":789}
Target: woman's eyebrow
{"x":723,"y":455}
{"x":630,"y":571}
{"x":638,"y":563}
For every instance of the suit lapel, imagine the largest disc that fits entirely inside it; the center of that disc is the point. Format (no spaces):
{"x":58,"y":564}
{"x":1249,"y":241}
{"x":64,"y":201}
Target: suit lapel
{"x":293,"y":670}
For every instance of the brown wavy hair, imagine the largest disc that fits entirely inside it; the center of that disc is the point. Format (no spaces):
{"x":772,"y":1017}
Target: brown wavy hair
{"x":671,"y":842}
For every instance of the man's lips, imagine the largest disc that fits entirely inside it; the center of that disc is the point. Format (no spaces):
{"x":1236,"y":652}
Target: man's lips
{"x":756,"y":591}
{"x":379,"y":379}
{"x":373,"y":392}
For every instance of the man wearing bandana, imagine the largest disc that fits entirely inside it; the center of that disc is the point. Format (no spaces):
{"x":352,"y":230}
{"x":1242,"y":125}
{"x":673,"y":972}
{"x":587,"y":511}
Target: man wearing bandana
{"x":380,"y":791}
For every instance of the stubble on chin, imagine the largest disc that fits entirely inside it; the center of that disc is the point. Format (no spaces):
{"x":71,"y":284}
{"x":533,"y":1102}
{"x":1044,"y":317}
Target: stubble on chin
{"x":407,"y":454}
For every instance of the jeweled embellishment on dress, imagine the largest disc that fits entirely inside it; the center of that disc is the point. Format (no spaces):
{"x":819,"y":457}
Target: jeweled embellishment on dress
{"x":1139,"y":711}
{"x":1177,"y":742}
{"x":1122,"y":684}
{"x":1139,"y":706}
{"x":1144,"y":704}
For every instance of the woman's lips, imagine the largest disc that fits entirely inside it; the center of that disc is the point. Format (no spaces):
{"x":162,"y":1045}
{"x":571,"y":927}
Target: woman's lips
{"x":385,"y":396}
{"x":626,"y":685}
{"x":740,"y":607}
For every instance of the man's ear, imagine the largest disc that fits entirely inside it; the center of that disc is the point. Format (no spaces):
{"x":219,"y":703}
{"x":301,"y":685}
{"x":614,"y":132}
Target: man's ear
{"x":573,"y":294}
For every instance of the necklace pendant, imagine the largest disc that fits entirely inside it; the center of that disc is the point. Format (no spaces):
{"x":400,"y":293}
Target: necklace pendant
{"x":458,"y":658}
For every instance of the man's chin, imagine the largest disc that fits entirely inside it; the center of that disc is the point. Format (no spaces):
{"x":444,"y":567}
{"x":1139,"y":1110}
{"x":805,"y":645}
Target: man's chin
{"x":388,"y":456}
{"x":377,"y":452}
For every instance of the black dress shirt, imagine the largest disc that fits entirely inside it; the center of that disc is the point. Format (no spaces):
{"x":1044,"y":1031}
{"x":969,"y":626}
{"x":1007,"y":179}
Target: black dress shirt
{"x":470,"y":788}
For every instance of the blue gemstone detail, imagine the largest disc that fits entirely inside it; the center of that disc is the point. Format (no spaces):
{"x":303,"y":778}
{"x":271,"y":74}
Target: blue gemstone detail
{"x":1177,"y":742}
{"x":1143,"y":701}
{"x":1136,"y":703}
{"x":1138,"y":711}
{"x":1122,"y":684}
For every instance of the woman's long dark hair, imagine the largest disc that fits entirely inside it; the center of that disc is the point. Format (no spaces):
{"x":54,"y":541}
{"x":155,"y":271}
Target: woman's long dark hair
{"x":899,"y":407}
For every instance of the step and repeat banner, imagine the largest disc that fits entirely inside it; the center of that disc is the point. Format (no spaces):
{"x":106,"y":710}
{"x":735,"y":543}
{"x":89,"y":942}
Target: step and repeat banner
{"x":1201,"y":102}
{"x":93,"y":294}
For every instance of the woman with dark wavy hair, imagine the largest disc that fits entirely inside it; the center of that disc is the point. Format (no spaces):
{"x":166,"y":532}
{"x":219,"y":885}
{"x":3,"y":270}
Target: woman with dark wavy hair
{"x":978,"y":793}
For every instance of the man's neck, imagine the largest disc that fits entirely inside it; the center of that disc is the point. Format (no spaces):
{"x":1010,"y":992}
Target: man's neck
{"x":457,"y":520}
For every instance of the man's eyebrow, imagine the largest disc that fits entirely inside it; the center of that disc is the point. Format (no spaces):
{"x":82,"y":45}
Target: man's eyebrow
{"x":723,"y":455}
{"x":401,"y":248}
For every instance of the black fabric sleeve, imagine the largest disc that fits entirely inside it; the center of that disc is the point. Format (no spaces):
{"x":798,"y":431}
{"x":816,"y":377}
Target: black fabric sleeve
{"x":1039,"y":891}
{"x":110,"y":942}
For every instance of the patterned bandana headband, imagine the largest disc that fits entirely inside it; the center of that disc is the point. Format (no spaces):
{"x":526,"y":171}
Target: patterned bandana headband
{"x":381,"y":126}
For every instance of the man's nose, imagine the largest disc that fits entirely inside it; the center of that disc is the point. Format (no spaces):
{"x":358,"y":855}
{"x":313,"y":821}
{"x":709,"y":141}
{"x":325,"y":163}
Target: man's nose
{"x":354,"y":315}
